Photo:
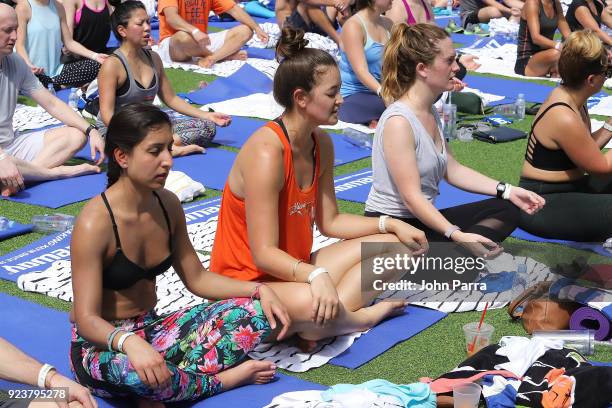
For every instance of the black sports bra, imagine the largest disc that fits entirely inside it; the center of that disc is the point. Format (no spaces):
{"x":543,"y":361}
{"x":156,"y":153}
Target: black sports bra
{"x":540,"y":156}
{"x":121,"y":273}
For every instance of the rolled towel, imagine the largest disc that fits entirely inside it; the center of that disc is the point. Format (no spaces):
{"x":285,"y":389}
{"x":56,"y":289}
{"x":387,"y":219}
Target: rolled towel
{"x":591,"y":319}
{"x":183,"y":186}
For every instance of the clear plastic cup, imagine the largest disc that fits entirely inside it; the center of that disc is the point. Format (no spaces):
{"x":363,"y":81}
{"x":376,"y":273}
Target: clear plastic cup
{"x":476,"y":339}
{"x":466,"y":395}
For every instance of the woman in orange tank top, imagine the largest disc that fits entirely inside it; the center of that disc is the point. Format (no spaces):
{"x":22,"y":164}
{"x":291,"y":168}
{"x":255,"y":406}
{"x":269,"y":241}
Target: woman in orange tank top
{"x":280,"y":185}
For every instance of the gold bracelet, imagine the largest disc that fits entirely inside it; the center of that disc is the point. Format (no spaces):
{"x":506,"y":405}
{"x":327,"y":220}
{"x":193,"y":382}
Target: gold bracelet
{"x":295,"y":265}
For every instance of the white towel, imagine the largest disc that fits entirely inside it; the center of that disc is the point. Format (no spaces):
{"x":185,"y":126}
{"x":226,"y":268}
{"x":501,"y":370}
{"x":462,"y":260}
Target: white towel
{"x":604,"y":107}
{"x":183,"y":186}
{"x":31,"y":118}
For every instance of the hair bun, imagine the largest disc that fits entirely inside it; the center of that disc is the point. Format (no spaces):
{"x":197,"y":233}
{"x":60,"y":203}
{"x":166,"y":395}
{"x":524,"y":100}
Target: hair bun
{"x":290,"y":44}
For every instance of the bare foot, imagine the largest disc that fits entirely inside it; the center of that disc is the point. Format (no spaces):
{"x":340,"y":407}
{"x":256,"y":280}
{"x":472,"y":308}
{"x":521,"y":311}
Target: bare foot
{"x":249,"y":372}
{"x":145,"y":403}
{"x":382,"y":310}
{"x":240,"y":55}
{"x":206,"y":62}
{"x":78,"y":170}
{"x":185,"y":150}
{"x":7,"y":191}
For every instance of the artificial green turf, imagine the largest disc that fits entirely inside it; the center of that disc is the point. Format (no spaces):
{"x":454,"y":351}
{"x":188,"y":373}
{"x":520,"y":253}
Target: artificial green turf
{"x":430,"y":353}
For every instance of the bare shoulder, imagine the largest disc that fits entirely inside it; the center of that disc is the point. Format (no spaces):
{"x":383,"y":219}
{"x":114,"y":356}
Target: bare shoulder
{"x":170,"y":202}
{"x":93,"y":221}
{"x":23,"y":9}
{"x":264,"y":144}
{"x":110,"y":67}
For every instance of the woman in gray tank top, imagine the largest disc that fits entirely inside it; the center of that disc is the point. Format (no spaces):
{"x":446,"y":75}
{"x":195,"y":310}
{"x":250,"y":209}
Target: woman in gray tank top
{"x":136,"y":74}
{"x":410,"y":158}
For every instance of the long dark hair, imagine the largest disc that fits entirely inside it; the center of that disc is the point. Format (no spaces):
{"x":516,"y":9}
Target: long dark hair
{"x":121,"y":15}
{"x":129,"y":127}
{"x":298,"y":66}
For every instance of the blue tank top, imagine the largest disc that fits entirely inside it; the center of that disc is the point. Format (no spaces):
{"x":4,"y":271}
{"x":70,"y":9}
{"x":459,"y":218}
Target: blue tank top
{"x":373,"y":53}
{"x":44,"y":38}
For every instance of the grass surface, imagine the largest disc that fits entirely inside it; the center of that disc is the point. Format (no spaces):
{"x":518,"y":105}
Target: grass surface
{"x":430,"y":353}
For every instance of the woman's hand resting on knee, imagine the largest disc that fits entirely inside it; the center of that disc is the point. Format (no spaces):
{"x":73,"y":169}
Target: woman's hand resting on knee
{"x":477,"y":244}
{"x":408,"y":235}
{"x":148,"y":363}
{"x":325,"y":301}
{"x":272,"y":306}
{"x":526,"y":200}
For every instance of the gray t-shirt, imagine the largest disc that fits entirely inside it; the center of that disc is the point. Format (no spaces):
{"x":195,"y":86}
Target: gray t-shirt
{"x":15,"y":78}
{"x":470,"y":5}
{"x":384,"y":195}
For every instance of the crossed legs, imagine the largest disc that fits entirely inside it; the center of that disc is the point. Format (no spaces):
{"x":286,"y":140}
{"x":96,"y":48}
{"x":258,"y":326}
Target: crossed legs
{"x":183,"y":47}
{"x":59,"y":145}
{"x":343,"y":262}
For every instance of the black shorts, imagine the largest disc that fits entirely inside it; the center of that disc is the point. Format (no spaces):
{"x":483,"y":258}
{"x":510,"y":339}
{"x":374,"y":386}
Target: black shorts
{"x":520,"y":65}
{"x":296,"y":21}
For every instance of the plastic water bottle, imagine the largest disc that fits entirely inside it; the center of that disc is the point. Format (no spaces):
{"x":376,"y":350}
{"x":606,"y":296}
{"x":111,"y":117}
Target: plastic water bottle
{"x":449,"y":6}
{"x":358,"y":138}
{"x":73,"y":99}
{"x":52,"y":223}
{"x":449,"y":121}
{"x":519,"y":107}
{"x":520,"y":281}
{"x":5,"y":223}
{"x":508,"y":110}
{"x":51,"y":89}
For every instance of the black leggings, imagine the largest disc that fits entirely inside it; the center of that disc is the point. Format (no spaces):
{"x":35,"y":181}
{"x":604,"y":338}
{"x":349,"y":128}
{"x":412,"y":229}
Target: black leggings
{"x":580,"y":210}
{"x":74,"y":74}
{"x":493,"y":218}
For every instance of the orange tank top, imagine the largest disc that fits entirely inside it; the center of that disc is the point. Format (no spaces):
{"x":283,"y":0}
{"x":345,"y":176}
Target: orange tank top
{"x":231,"y":255}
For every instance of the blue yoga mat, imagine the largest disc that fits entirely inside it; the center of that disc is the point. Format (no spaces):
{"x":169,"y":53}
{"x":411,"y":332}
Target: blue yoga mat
{"x":263,"y":53}
{"x":236,"y":134}
{"x":509,"y":88}
{"x":356,"y":187}
{"x":464,"y":38}
{"x":57,"y":193}
{"x":386,"y":335}
{"x":16,"y":229}
{"x":246,"y":81}
{"x":590,"y":246}
{"x":210,"y":169}
{"x":48,"y":340}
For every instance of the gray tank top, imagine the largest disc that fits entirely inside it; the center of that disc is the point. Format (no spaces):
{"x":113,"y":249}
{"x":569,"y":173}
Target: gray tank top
{"x":131,"y":91}
{"x":384,"y":195}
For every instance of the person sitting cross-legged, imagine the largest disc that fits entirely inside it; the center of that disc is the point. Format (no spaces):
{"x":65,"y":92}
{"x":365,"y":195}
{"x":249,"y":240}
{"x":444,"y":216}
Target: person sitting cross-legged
{"x":38,"y":155}
{"x":183,"y":32}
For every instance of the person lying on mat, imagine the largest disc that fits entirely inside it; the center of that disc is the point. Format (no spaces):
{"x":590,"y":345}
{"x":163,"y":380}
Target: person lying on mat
{"x":37,"y":155}
{"x":16,"y":366}
{"x":589,"y":14}
{"x":280,"y":184}
{"x":183,"y":32}
{"x":410,"y":157}
{"x":364,"y":36}
{"x":322,"y":17}
{"x":537,"y":52}
{"x":120,"y":346}
{"x":136,"y":74}
{"x":564,"y":161}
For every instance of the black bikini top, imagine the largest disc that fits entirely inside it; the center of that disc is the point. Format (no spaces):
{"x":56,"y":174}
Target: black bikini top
{"x":121,"y":273}
{"x":540,"y":156}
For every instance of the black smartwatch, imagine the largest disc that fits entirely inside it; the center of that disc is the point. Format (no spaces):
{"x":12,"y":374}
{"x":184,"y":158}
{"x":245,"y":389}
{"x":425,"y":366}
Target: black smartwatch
{"x":501,"y":188}
{"x":89,"y":129}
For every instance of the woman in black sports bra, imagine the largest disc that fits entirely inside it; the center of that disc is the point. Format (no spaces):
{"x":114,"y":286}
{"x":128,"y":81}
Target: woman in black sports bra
{"x":564,"y":162}
{"x":122,"y":241}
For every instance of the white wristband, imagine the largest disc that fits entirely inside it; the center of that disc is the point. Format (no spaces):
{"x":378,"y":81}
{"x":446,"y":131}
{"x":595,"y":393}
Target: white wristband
{"x":606,"y":126}
{"x":382,"y":224}
{"x":3,"y":155}
{"x":506,"y":194}
{"x":195,"y":31}
{"x":42,"y":375}
{"x":320,"y":270}
{"x":94,"y":56}
{"x":122,"y":339}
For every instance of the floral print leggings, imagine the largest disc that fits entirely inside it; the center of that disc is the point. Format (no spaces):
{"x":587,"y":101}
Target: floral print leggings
{"x":196,"y":342}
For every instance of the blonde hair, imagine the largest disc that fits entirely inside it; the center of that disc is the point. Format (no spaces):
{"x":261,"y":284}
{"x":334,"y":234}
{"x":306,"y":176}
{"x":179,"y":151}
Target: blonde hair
{"x":583,"y":54}
{"x":407,"y":47}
